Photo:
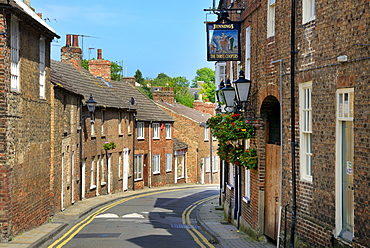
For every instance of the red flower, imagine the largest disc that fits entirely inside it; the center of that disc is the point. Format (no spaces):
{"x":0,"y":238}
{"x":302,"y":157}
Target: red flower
{"x":232,"y":123}
{"x":237,"y":115}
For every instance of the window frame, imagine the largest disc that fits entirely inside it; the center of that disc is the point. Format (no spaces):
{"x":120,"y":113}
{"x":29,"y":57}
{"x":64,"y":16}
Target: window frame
{"x":168,"y":162}
{"x":140,"y":130}
{"x":305,"y":119}
{"x":168,"y":130}
{"x":138,"y":167}
{"x":206,"y":133}
{"x":271,"y":9}
{"x":155,"y":131}
{"x":207,"y":164}
{"x":42,"y":66}
{"x":14,"y":54}
{"x":308,"y":11}
{"x":92,"y":174}
{"x":248,"y":52}
{"x":156,"y":164}
{"x":247,"y":186}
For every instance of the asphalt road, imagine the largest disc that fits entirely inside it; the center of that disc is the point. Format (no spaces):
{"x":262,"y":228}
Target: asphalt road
{"x":157,"y":219}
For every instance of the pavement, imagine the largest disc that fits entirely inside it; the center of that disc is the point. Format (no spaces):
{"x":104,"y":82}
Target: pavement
{"x":209,"y":216}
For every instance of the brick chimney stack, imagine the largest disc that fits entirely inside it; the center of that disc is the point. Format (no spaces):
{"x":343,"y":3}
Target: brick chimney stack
{"x":100,"y":67}
{"x":71,"y":53}
{"x":164,"y":95}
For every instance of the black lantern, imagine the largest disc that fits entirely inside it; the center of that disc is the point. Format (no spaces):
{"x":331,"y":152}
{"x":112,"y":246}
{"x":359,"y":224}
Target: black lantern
{"x":242,"y":87}
{"x":91,"y":103}
{"x":229,"y":94}
{"x":219,"y":95}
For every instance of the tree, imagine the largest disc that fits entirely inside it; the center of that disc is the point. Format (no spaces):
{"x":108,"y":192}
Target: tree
{"x":115,"y":71}
{"x":139,"y":77}
{"x":207,"y":75}
{"x":180,"y":87}
{"x":144,"y":88}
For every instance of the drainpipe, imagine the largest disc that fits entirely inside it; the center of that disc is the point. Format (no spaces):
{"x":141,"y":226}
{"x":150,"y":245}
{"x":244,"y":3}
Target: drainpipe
{"x":133,"y":151}
{"x":150,"y":138}
{"x":81,"y":141}
{"x":280,"y":61}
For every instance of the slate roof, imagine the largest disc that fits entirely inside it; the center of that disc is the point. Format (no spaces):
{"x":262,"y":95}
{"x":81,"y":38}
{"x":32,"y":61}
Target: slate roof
{"x":179,"y":145}
{"x":82,"y":82}
{"x":185,"y":111}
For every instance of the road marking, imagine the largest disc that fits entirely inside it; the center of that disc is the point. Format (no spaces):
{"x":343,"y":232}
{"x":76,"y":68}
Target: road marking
{"x":192,"y":230}
{"x":79,"y":226}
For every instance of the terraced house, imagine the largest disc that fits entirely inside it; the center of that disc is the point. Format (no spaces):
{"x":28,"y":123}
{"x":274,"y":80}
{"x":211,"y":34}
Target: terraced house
{"x":25,"y":105}
{"x":309,"y":114}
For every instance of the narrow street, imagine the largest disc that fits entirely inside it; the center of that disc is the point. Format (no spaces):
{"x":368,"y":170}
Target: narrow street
{"x":156,"y":219}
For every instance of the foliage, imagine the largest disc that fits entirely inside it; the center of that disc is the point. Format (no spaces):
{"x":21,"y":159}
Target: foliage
{"x":109,"y":145}
{"x":205,"y":74}
{"x":208,"y":89}
{"x":85,"y":64}
{"x":115,"y":71}
{"x":228,"y":129}
{"x":144,"y":88}
{"x":139,"y":77}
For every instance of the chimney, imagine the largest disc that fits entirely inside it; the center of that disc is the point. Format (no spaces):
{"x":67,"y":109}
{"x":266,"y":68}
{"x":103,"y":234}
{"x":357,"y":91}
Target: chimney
{"x":100,"y":67}
{"x":164,"y":96}
{"x":198,"y":105}
{"x":71,"y":53}
{"x":27,"y":2}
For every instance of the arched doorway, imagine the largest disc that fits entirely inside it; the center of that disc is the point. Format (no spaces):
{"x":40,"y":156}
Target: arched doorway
{"x":270,"y":112}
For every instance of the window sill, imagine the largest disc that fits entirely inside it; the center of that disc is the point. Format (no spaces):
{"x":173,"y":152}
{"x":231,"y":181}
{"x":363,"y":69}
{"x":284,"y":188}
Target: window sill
{"x":156,"y":138}
{"x":92,"y":187}
{"x":167,"y":171}
{"x":230,"y":187}
{"x":120,"y":134}
{"x":246,"y":200}
{"x":138,"y":179}
{"x":103,"y":183}
{"x":140,"y":139}
{"x":156,"y":173}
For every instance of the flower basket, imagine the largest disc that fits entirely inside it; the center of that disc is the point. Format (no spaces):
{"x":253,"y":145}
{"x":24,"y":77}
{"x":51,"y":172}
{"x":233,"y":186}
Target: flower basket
{"x":109,"y":145}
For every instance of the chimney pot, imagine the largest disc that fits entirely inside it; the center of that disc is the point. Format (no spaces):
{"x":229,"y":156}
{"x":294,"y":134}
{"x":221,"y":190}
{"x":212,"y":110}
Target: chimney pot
{"x":75,"y":40}
{"x":68,"y":40}
{"x":100,"y":56}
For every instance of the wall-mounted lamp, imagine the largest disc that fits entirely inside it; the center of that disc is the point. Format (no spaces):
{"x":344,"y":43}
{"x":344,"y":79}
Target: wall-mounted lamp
{"x":90,"y":104}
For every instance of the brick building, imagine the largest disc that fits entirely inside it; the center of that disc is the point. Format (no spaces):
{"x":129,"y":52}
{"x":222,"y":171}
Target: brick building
{"x":25,"y":106}
{"x":331,"y":128}
{"x":201,"y":163}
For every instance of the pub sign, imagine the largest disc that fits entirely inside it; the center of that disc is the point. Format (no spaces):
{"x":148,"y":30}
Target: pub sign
{"x":223,"y":40}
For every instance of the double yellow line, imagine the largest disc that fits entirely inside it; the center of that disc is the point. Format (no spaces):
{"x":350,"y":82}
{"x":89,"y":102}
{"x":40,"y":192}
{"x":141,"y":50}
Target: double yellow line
{"x":192,"y":231}
{"x":185,"y":219}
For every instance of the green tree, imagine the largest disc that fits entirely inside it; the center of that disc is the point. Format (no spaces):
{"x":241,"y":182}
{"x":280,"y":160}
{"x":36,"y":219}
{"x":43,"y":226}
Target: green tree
{"x":85,"y":64}
{"x":115,"y":71}
{"x":206,"y":75}
{"x":180,"y":87}
{"x":139,"y":77}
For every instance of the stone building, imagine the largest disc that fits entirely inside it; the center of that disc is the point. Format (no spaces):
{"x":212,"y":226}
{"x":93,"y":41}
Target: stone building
{"x":24,"y":118}
{"x":330,"y":97}
{"x":201,"y":163}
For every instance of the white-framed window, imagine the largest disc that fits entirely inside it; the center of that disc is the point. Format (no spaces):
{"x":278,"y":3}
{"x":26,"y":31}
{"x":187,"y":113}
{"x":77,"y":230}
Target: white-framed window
{"x":308,"y":10}
{"x":345,"y":104}
{"x":168,"y":162}
{"x":140,"y":130}
{"x":14,"y":53}
{"x":215,"y":163}
{"x":102,"y":170}
{"x":271,"y":18}
{"x":247,"y":186}
{"x":120,"y":165}
{"x":128,"y":122}
{"x":155,"y":130}
{"x":220,"y":73}
{"x":119,"y":122}
{"x":206,"y":133}
{"x":248,"y":53}
{"x":42,"y":67}
{"x":208,"y":164}
{"x":92,"y":124}
{"x":92,"y":173}
{"x":102,"y":121}
{"x":156,"y":164}
{"x":305,"y":96}
{"x":168,"y":130}
{"x":231,"y":176}
{"x":138,"y":167}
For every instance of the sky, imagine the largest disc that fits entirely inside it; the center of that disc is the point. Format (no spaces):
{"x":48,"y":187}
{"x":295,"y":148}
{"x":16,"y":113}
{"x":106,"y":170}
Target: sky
{"x":167,"y":36}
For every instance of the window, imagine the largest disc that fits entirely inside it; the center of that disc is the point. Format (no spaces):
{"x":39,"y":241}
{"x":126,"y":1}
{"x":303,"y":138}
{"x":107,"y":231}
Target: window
{"x":248,"y":53}
{"x":120,"y":165}
{"x":119,"y":123}
{"x":168,"y":131}
{"x":345,"y":104}
{"x":155,"y":130}
{"x":14,"y":53}
{"x":140,"y":130}
{"x":247,"y":190}
{"x":128,"y":122}
{"x":92,"y":124}
{"x":271,"y":18}
{"x":208,"y":164}
{"x":206,"y":133}
{"x":42,"y":67}
{"x":138,"y":167}
{"x":308,"y":10}
{"x":102,"y":121}
{"x":92,"y":174}
{"x":102,"y":169}
{"x":220,"y":73}
{"x":306,"y":130}
{"x":215,"y":164}
{"x":156,"y":164}
{"x":169,"y":162}
{"x":231,"y":176}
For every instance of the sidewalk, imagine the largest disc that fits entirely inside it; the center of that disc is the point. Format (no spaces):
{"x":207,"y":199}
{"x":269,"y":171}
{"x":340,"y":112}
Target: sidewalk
{"x":208,"y":217}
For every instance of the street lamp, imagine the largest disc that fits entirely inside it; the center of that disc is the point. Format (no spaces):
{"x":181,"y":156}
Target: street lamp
{"x":235,"y":98}
{"x":90,"y":104}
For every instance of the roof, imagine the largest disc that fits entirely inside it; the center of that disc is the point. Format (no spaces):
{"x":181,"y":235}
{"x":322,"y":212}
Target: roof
{"x":113,"y":95}
{"x":21,"y":6}
{"x":179,"y":145}
{"x":185,"y":111}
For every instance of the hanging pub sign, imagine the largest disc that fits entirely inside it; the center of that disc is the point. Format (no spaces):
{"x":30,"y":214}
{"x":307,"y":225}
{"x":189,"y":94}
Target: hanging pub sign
{"x":223,"y":40}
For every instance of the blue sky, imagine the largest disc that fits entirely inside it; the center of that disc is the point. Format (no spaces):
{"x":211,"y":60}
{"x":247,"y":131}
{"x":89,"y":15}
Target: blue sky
{"x":166,"y":36}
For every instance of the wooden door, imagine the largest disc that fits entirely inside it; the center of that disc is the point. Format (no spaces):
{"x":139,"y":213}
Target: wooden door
{"x":272,"y":187}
